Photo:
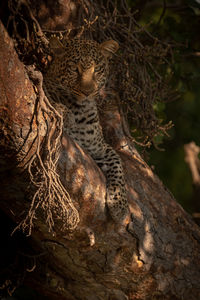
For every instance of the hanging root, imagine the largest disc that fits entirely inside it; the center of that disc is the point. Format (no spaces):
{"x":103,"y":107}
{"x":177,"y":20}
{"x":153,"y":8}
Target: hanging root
{"x":50,"y":194}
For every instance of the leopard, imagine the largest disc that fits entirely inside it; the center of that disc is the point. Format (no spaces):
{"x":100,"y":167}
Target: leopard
{"x":75,"y":78}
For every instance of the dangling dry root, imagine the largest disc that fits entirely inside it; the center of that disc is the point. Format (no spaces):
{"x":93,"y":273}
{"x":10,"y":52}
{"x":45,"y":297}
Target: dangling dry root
{"x":50,"y":194}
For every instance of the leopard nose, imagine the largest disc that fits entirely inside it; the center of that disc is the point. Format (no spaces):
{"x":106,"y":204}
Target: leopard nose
{"x":87,"y":93}
{"x":89,"y":88}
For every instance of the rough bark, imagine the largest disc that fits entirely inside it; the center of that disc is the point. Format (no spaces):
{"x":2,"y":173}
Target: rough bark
{"x":156,"y":257}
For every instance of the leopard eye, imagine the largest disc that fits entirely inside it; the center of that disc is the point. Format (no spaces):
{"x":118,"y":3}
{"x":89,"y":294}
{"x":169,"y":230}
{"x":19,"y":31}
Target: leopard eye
{"x":73,"y":67}
{"x":97,"y":69}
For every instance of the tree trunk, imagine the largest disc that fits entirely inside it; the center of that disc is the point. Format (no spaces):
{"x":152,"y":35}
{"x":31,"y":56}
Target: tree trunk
{"x":155,"y":257}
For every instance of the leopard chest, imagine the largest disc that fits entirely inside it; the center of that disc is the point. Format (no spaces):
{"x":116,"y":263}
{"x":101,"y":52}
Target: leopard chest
{"x":86,"y":130}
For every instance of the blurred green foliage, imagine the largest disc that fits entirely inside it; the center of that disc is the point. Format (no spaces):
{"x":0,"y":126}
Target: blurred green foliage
{"x":176,"y":23}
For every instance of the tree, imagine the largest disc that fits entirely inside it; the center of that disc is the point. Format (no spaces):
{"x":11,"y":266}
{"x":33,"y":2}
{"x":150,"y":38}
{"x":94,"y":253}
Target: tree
{"x":154,"y":257}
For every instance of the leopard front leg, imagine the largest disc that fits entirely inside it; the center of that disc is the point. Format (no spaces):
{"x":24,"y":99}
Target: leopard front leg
{"x":111,"y":165}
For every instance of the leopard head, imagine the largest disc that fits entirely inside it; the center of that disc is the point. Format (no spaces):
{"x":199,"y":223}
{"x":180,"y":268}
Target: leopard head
{"x":81,"y":66}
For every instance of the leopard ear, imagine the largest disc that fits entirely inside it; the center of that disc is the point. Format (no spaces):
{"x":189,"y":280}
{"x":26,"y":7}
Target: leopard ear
{"x":108,"y":48}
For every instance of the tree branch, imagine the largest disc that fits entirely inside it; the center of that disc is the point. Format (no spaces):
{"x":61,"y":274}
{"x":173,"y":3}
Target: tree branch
{"x":191,"y":157}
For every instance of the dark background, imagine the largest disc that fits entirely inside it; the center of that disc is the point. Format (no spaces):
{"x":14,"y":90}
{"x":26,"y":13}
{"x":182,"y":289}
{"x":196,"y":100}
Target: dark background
{"x":178,"y":23}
